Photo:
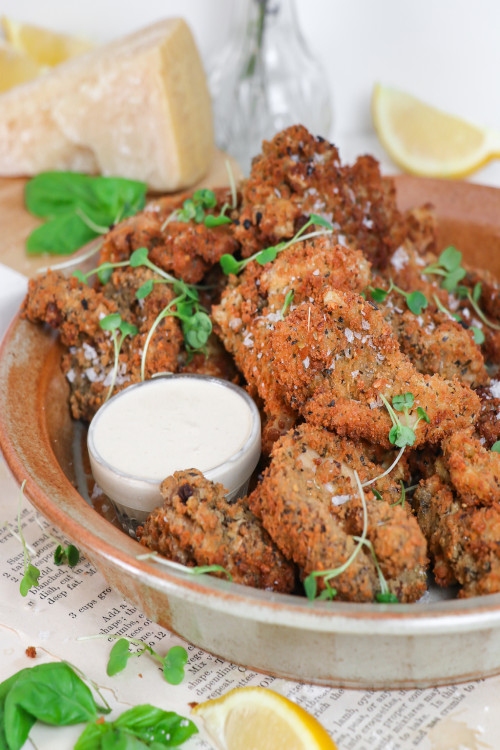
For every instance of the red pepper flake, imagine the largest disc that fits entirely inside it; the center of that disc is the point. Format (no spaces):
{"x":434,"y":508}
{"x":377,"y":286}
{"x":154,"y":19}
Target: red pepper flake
{"x":31,"y":652}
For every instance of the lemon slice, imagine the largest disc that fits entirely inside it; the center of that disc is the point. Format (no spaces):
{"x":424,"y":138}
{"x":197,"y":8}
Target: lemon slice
{"x":255,"y":718}
{"x":425,"y":141}
{"x":15,"y":68}
{"x":44,"y":46}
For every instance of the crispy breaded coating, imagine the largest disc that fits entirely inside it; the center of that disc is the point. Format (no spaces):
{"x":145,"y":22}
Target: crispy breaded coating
{"x":309,"y":503}
{"x":488,"y":424}
{"x":298,"y":174}
{"x":197,"y":525}
{"x":435,"y":342}
{"x":336,"y":359}
{"x":76,"y":309}
{"x":463,"y":540}
{"x":185,"y":249}
{"x":474,"y":471}
{"x":251,"y":307}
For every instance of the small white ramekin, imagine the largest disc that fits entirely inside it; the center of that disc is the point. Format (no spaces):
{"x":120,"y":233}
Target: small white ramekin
{"x":135,"y":496}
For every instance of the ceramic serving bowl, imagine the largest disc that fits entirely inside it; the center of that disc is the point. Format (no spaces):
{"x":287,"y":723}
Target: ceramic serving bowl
{"x":356,"y":645}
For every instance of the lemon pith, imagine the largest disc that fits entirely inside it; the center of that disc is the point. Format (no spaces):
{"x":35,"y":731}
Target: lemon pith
{"x":258,"y":718}
{"x":426,"y":141}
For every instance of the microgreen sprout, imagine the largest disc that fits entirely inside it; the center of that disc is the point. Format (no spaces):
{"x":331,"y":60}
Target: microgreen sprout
{"x":401,"y":434}
{"x":402,"y":496}
{"x":384,"y":595}
{"x":473,"y":299}
{"x":172,"y":663}
{"x":194,"y":209}
{"x":449,"y":267}
{"x":286,"y":304}
{"x":229,"y":264}
{"x":62,"y":555}
{"x":496,"y":447}
{"x":194,"y":571}
{"x":310,"y":583}
{"x":476,"y":332}
{"x":114,"y":323}
{"x":377,"y":494}
{"x":415,"y":301}
{"x":31,"y":573}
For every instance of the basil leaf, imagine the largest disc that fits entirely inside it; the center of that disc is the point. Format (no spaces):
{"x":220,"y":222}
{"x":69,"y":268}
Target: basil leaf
{"x":153,"y":725}
{"x":61,"y":235}
{"x":51,"y":693}
{"x":50,"y":194}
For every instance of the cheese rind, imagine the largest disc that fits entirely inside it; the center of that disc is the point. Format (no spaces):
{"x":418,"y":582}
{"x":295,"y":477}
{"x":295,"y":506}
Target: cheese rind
{"x":138,"y":107}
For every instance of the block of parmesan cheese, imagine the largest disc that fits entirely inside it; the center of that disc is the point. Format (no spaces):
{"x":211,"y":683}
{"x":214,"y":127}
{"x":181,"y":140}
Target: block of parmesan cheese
{"x":138,"y":107}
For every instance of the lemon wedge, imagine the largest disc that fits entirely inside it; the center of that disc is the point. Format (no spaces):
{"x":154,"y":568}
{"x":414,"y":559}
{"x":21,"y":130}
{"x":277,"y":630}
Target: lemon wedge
{"x":425,"y":141}
{"x":15,"y":67}
{"x":44,"y":46}
{"x":255,"y":718}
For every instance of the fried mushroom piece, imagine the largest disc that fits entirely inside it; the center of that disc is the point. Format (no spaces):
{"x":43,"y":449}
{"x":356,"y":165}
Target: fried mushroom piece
{"x":298,"y":174}
{"x":435,"y":342}
{"x":253,"y":303}
{"x":197,"y":525}
{"x":338,"y":358}
{"x":463,"y":539}
{"x":185,"y":249}
{"x":309,"y":503}
{"x":75,"y":310}
{"x":488,"y":424}
{"x":474,"y":471}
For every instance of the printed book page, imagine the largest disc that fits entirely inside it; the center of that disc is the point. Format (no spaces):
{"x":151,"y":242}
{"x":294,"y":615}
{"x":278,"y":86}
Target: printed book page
{"x":73,"y":612}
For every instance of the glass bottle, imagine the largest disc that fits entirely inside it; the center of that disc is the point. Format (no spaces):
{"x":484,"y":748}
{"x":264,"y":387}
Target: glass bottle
{"x":266,"y":79}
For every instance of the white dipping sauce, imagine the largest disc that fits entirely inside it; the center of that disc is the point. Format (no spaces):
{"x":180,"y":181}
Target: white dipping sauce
{"x":172,"y":424}
{"x":150,"y":430}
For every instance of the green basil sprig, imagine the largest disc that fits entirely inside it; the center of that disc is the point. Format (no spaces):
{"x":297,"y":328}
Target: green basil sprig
{"x":78,"y":208}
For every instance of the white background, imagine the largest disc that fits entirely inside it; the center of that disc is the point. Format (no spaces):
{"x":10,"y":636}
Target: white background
{"x":446,"y":52}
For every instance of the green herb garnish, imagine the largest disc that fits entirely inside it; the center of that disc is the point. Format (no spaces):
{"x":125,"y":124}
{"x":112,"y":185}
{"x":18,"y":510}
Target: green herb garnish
{"x":449,"y":267}
{"x":401,"y":434}
{"x":78,"y":207}
{"x":496,"y":447}
{"x":194,"y":209}
{"x":51,"y":693}
{"x":415,"y":301}
{"x":286,"y":304}
{"x":139,"y":727}
{"x":473,"y":299}
{"x":194,"y":571}
{"x":69,"y":555}
{"x":384,"y":595}
{"x":31,"y":573}
{"x":172,"y":663}
{"x":114,"y":323}
{"x":476,"y":332}
{"x":402,"y":496}
{"x":310,"y":582}
{"x":229,"y":264}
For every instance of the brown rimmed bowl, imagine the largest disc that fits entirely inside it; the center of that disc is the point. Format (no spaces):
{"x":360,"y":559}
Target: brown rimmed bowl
{"x":433,"y":642}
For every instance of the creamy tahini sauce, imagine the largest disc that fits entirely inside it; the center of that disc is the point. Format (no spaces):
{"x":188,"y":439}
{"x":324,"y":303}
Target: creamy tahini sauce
{"x":172,"y":425}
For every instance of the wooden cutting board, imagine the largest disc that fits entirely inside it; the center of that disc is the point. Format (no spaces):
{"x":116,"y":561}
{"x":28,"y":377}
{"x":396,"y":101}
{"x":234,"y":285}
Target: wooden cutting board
{"x":16,"y":223}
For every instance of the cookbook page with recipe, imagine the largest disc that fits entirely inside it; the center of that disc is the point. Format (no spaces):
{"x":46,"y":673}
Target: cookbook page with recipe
{"x":74,"y":615}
